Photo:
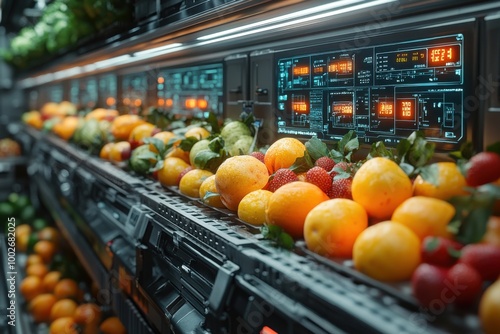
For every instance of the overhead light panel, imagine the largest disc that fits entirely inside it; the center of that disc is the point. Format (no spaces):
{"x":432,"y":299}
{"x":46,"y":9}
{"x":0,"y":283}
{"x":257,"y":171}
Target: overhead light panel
{"x":159,"y":49}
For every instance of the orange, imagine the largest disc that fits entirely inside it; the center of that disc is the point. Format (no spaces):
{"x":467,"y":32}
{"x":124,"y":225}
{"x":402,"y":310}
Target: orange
{"x":22,"y":242}
{"x":46,"y":249}
{"x":164,"y":136}
{"x":37,"y":269}
{"x":30,"y":287}
{"x":51,"y":109}
{"x":50,"y":281}
{"x":283,"y":153}
{"x":425,"y":216}
{"x":88,"y":315}
{"x":40,"y":307}
{"x":51,"y":234}
{"x":122,"y":126}
{"x":387,"y":251}
{"x":489,"y":309}
{"x":208,"y":193}
{"x":112,"y":325}
{"x":105,"y":151}
{"x":101,"y":113}
{"x":450,"y":183}
{"x":252,"y":208}
{"x":198,"y":132}
{"x":176,"y":152}
{"x":168,"y":175}
{"x":33,"y":118}
{"x":67,"y":127}
{"x":289,"y":205}
{"x":120,"y":151}
{"x":137,"y":135}
{"x":191,"y":182}
{"x":67,"y":108}
{"x":492,"y":234}
{"x":331,"y":227}
{"x":67,"y":288}
{"x":237,"y":176}
{"x":380,"y":185}
{"x":64,"y":325}
{"x":32,"y":259}
{"x":23,"y":229}
{"x":63,"y":308}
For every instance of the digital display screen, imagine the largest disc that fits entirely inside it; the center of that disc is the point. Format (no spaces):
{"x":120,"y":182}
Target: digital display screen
{"x":383,"y":91}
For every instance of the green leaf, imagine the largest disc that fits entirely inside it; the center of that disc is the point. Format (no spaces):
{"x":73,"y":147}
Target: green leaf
{"x":187,"y":144}
{"x":158,"y":166}
{"x":277,"y":235}
{"x":432,"y":245}
{"x":430,"y":174}
{"x":495,"y":147}
{"x":210,"y":194}
{"x":316,"y":148}
{"x":147,"y":156}
{"x":402,"y":149}
{"x":157,"y":143}
{"x":213,"y":121}
{"x":249,"y":121}
{"x":302,"y":164}
{"x":336,"y":155}
{"x":407,"y":168}
{"x":216,"y":144}
{"x":203,"y":157}
{"x":352,"y":145}
{"x":454,"y":253}
{"x":378,"y":149}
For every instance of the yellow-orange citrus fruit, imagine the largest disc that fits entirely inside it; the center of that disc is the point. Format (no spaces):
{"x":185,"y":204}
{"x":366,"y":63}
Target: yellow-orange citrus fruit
{"x":64,"y":325}
{"x":283,"y":153}
{"x":50,"y":281}
{"x":198,"y":132}
{"x":106,"y":151}
{"x":46,"y":249}
{"x":177,"y":152}
{"x":40,"y":307}
{"x":32,"y":259}
{"x":191,"y":182}
{"x":22,"y":242}
{"x":252,"y":208}
{"x":168,"y":175}
{"x":33,"y":118}
{"x":237,"y":176}
{"x":101,"y":113}
{"x":380,"y":185}
{"x":208,"y":193}
{"x":37,"y":269}
{"x":450,"y":183}
{"x":492,"y":234}
{"x":387,"y":252}
{"x":289,"y":205}
{"x":331,"y":227}
{"x":30,"y":287}
{"x":122,"y":126}
{"x":66,"y":127}
{"x":51,"y":234}
{"x":137,"y":135}
{"x":23,"y":229}
{"x":425,"y":216}
{"x":489,"y":309}
{"x":164,"y":136}
{"x":88,"y":314}
{"x":67,"y":288}
{"x":63,"y":308}
{"x":112,"y":325}
{"x":120,"y":151}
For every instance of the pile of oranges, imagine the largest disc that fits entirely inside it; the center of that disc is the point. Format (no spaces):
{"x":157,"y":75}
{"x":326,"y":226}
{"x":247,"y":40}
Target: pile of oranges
{"x":52,"y":298}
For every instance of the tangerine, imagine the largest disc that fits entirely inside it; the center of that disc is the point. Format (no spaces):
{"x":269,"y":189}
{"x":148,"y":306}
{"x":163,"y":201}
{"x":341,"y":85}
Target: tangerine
{"x":137,"y":135}
{"x":88,"y":314}
{"x":112,"y":325}
{"x":50,"y":281}
{"x":450,"y":182}
{"x":37,"y":269}
{"x":380,"y":185}
{"x":289,"y":205}
{"x":237,"y":176}
{"x":331,"y":227}
{"x":191,"y":182}
{"x":67,"y":288}
{"x":122,"y":126}
{"x":198,"y":132}
{"x":30,"y":287}
{"x":40,"y":307}
{"x":63,"y":325}
{"x":168,"y":175}
{"x":106,"y":151}
{"x":46,"y":249}
{"x":32,"y":259}
{"x":120,"y":151}
{"x":164,"y":136}
{"x":489,"y":309}
{"x":208,"y":193}
{"x":63,"y":308}
{"x":283,"y":153}
{"x":426,"y":216}
{"x":252,"y":208}
{"x":387,"y":251}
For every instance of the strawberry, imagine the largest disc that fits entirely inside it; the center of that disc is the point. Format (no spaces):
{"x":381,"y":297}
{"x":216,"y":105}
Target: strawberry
{"x":340,"y":167}
{"x":341,"y":188}
{"x":326,"y":163}
{"x":483,"y":168}
{"x":440,"y":251}
{"x":428,"y":283}
{"x":258,"y":155}
{"x":320,"y":177}
{"x":465,"y":284}
{"x":281,"y":177}
{"x":485,"y":258}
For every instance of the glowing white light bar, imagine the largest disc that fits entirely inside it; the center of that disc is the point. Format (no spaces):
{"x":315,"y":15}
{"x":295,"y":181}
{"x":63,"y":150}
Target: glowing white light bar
{"x":302,"y":13}
{"x":111,"y":61}
{"x":157,"y":49}
{"x":298,"y":21}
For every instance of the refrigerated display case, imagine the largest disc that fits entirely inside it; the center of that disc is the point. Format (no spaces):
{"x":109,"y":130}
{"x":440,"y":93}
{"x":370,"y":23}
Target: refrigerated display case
{"x":166,"y":262}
